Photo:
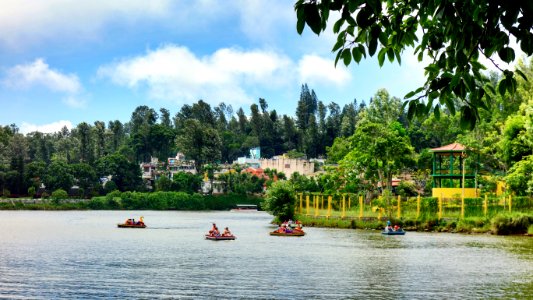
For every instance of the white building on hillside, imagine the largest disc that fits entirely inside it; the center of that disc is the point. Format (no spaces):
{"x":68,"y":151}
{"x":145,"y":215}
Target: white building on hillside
{"x":289,"y":166}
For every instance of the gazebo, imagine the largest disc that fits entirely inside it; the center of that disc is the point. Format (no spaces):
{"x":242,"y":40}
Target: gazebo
{"x":452,"y":176}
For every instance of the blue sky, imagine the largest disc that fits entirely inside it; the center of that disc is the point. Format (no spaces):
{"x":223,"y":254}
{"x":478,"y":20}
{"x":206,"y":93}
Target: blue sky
{"x":64,"y":62}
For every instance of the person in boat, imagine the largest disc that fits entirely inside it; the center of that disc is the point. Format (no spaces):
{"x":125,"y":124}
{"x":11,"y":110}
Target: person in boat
{"x":298,"y":228}
{"x":212,"y":231}
{"x":389,"y":226}
{"x":282,"y":229}
{"x":288,"y":229}
{"x":226,"y":232}
{"x":396,"y":227}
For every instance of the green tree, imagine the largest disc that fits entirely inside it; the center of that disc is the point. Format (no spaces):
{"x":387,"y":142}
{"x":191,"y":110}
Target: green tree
{"x":186,"y":182}
{"x":35,"y":172}
{"x":125,"y":174}
{"x":378,"y":151}
{"x":339,"y":149}
{"x":58,"y":176}
{"x":99,"y":136}
{"x":163,"y":184}
{"x":279,"y":201}
{"x":85,"y":177}
{"x":455,"y":34}
{"x":520,"y":177}
{"x":200,"y":142}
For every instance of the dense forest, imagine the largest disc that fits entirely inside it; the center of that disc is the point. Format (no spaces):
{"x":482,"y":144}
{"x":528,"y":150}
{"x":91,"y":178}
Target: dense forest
{"x":374,"y":138}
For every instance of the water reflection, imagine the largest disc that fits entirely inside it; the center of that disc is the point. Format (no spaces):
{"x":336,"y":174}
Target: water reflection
{"x":47,"y":255}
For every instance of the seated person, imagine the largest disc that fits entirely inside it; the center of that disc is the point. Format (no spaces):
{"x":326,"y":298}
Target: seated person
{"x":226,"y":232}
{"x":216,"y":232}
{"x":213,"y":229}
{"x":396,"y":227}
{"x":298,"y":228}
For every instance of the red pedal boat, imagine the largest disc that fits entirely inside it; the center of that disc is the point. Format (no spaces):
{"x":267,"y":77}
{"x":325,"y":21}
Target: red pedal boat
{"x":220,"y":237}
{"x":130,"y":223}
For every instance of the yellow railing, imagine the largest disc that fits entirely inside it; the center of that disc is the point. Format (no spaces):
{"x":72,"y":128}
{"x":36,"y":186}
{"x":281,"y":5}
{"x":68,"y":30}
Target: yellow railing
{"x":341,"y":206}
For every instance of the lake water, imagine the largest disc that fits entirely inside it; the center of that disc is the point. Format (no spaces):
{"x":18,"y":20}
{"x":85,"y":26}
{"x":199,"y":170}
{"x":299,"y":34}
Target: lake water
{"x":82,"y":254}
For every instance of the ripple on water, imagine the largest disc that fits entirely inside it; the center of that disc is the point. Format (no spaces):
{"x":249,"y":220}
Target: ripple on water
{"x":50,"y":255}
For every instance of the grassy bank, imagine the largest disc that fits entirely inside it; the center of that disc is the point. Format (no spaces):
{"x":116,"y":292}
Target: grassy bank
{"x":139,"y":201}
{"x":500,"y":224}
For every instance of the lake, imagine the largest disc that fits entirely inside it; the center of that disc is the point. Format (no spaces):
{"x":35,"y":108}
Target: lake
{"x":82,"y":254}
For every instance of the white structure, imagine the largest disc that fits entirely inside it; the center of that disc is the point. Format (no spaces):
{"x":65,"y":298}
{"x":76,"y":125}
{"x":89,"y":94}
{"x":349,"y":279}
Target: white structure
{"x":180,"y":164}
{"x":289,"y":166}
{"x":149,"y":169}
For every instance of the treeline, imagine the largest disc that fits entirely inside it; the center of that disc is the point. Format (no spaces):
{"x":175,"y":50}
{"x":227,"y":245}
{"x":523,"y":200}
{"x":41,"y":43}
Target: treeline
{"x":208,"y":135}
{"x":368,"y":143}
{"x":141,"y":201}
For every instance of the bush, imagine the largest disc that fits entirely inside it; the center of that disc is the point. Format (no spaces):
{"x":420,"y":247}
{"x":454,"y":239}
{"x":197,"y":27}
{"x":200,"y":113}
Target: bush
{"x":279,"y":201}
{"x":110,"y":186}
{"x":97,"y":203}
{"x":31,"y":191}
{"x":516,"y":223}
{"x":58,"y":195}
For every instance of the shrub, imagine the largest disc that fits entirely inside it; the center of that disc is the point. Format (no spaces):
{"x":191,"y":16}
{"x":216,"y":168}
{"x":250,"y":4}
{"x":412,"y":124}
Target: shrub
{"x":31,"y":191}
{"x":516,"y":223}
{"x":97,"y":203}
{"x":279,"y":200}
{"x":58,"y":195}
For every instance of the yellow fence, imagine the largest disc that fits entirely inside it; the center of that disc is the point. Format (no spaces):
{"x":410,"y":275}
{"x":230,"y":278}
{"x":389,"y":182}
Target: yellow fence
{"x":354,"y":206}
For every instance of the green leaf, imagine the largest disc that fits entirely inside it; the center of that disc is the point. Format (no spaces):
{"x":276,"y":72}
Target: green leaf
{"x":468,"y":118}
{"x":339,"y":53}
{"x":436,"y":112}
{"x":338,"y":45}
{"x":411,"y":110}
{"x":338,"y":25}
{"x":490,"y":87}
{"x":381,"y":56}
{"x":346,"y":56}
{"x":502,"y":87}
{"x":398,"y":57}
{"x":357,"y":55}
{"x":372,"y":46}
{"x":383,"y":39}
{"x":363,"y":18}
{"x":421,"y":110}
{"x":521,"y":74}
{"x":526,"y":44}
{"x":390,"y":54}
{"x":300,"y":24}
{"x":409,"y":95}
{"x":312,"y":17}
{"x":506,"y":54}
{"x":449,"y":104}
{"x":362,"y":49}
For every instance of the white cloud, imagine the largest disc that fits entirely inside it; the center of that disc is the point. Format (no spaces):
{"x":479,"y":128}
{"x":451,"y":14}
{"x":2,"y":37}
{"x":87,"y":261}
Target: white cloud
{"x":176,"y":74}
{"x":26,"y":21}
{"x":259,"y":25}
{"x":45,"y":128}
{"x":317,"y":70}
{"x":39,"y":73}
